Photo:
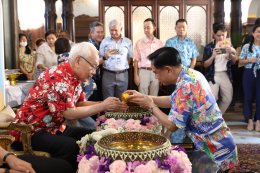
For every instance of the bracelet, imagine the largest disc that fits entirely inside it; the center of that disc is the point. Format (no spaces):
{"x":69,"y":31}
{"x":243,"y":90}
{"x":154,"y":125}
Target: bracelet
{"x":6,"y":155}
{"x":151,"y":108}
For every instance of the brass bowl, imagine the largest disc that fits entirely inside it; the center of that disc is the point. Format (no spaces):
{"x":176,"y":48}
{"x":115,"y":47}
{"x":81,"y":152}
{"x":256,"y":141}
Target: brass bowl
{"x":133,"y":112}
{"x":133,"y":146}
{"x":12,"y":78}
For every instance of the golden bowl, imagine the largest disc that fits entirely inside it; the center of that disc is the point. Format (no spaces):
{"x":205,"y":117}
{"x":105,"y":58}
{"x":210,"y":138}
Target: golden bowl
{"x":133,"y":112}
{"x":12,"y":78}
{"x":133,"y":146}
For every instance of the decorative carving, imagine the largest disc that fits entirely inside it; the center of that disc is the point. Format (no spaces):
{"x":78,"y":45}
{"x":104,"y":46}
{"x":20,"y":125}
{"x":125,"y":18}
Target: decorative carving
{"x":133,"y":146}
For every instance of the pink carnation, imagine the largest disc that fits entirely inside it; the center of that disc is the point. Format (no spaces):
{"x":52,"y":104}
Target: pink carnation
{"x":152,"y":165}
{"x":100,"y":120}
{"x":117,"y":166}
{"x":133,"y":125}
{"x":179,"y":162}
{"x":120,"y":122}
{"x":83,"y":165}
{"x":90,"y":165}
{"x":143,"y":169}
{"x":112,"y":123}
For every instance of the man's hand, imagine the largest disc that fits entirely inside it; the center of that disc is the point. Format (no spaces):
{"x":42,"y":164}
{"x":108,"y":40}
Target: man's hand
{"x":114,"y":104}
{"x":140,"y":99}
{"x":17,"y":165}
{"x":252,"y":60}
{"x":109,"y":53}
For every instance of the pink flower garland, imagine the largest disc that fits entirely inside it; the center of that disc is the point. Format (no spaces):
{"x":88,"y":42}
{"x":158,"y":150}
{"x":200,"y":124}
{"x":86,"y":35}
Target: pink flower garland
{"x":151,"y":124}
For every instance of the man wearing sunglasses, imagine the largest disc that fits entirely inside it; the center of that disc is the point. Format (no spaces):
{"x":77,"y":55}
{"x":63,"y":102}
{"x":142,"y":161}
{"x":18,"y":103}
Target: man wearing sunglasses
{"x":57,"y":95}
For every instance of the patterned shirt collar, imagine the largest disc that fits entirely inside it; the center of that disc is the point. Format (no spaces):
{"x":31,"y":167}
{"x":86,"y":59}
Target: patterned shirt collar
{"x":66,"y":66}
{"x":184,"y":40}
{"x":121,"y":38}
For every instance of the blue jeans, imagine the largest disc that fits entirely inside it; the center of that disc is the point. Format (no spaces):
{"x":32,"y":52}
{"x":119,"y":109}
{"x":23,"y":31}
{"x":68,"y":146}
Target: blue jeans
{"x":88,"y":123}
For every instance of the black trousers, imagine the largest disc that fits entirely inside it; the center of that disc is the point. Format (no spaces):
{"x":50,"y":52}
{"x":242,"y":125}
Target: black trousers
{"x":62,"y":145}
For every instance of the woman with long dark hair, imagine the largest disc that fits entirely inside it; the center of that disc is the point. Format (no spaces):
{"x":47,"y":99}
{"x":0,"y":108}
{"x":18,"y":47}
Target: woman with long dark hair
{"x":26,"y":59}
{"x":250,"y":58}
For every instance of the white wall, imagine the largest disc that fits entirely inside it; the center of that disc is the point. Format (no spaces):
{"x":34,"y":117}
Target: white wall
{"x":88,"y":7}
{"x":254,"y":9}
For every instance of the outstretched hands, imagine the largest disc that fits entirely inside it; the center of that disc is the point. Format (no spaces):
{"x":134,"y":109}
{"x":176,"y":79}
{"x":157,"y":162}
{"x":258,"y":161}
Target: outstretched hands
{"x":140,"y":99}
{"x":114,"y":104}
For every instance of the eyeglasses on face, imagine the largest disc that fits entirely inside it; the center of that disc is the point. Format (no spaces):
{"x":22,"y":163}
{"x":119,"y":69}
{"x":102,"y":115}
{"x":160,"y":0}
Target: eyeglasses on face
{"x":93,"y":66}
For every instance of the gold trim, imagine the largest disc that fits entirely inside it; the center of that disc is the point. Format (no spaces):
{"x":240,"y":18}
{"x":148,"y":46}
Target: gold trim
{"x":113,"y":146}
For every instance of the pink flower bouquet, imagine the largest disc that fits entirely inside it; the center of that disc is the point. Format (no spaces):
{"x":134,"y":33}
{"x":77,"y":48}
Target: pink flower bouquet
{"x":146,"y":124}
{"x":175,"y":162}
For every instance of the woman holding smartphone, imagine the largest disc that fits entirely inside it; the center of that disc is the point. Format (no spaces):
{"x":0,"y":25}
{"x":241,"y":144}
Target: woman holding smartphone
{"x":250,"y":59}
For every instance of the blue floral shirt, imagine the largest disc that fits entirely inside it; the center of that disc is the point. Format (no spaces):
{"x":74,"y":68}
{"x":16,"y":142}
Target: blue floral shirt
{"x":195,"y":109}
{"x":118,"y":61}
{"x":186,"y":48}
{"x":245,"y":53}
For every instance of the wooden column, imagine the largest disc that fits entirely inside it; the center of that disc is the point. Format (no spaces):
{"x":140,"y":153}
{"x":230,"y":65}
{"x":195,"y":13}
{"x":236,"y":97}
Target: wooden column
{"x":219,"y":13}
{"x":50,"y":15}
{"x":68,"y":18}
{"x":236,"y":22}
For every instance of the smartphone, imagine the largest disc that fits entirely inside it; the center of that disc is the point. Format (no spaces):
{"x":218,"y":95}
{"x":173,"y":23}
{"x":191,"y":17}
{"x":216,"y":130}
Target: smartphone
{"x":223,"y":50}
{"x":115,"y":51}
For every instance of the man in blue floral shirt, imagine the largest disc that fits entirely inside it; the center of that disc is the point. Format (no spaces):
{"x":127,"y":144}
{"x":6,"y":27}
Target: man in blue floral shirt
{"x":188,"y":53}
{"x":183,"y":44}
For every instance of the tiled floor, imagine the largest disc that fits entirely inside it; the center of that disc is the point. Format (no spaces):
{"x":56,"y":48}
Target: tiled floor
{"x":235,"y":120}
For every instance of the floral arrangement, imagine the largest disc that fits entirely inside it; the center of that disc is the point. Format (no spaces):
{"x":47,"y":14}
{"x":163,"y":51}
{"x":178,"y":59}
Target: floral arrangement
{"x":176,"y":160}
{"x":146,"y":124}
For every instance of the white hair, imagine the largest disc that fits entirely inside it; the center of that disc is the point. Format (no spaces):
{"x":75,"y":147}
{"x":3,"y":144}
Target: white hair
{"x":81,"y":49}
{"x":114,"y":22}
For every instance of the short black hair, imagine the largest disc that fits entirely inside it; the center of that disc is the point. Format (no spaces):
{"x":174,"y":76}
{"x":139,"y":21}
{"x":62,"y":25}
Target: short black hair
{"x":49,"y":33}
{"x":94,"y":24}
{"x":165,"y":56}
{"x":181,"y":21}
{"x":150,"y":20}
{"x":39,"y":41}
{"x":219,"y":27}
{"x":62,"y":45}
{"x":257,"y":21}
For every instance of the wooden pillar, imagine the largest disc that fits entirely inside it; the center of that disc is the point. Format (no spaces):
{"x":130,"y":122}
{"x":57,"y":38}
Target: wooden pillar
{"x":219,"y":13}
{"x":10,"y":19}
{"x":68,"y":18}
{"x":50,"y":15}
{"x":236,"y":22}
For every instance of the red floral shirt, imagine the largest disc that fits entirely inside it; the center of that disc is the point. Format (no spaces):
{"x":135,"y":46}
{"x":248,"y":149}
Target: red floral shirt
{"x":56,"y":90}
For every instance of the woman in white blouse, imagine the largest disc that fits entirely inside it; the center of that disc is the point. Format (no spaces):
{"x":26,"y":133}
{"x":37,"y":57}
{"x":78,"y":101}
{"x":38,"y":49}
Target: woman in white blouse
{"x":46,"y":56}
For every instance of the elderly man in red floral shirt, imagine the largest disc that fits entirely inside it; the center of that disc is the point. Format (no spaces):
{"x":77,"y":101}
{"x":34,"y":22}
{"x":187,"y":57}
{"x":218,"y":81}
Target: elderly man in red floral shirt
{"x":57,"y":95}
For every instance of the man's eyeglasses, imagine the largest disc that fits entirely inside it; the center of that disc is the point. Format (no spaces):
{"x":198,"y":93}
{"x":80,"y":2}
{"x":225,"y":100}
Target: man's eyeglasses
{"x":94,"y":67}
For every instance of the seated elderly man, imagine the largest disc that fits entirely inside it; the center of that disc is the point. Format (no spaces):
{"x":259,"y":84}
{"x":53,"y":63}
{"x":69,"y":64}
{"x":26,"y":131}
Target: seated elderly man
{"x":57,"y":95}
